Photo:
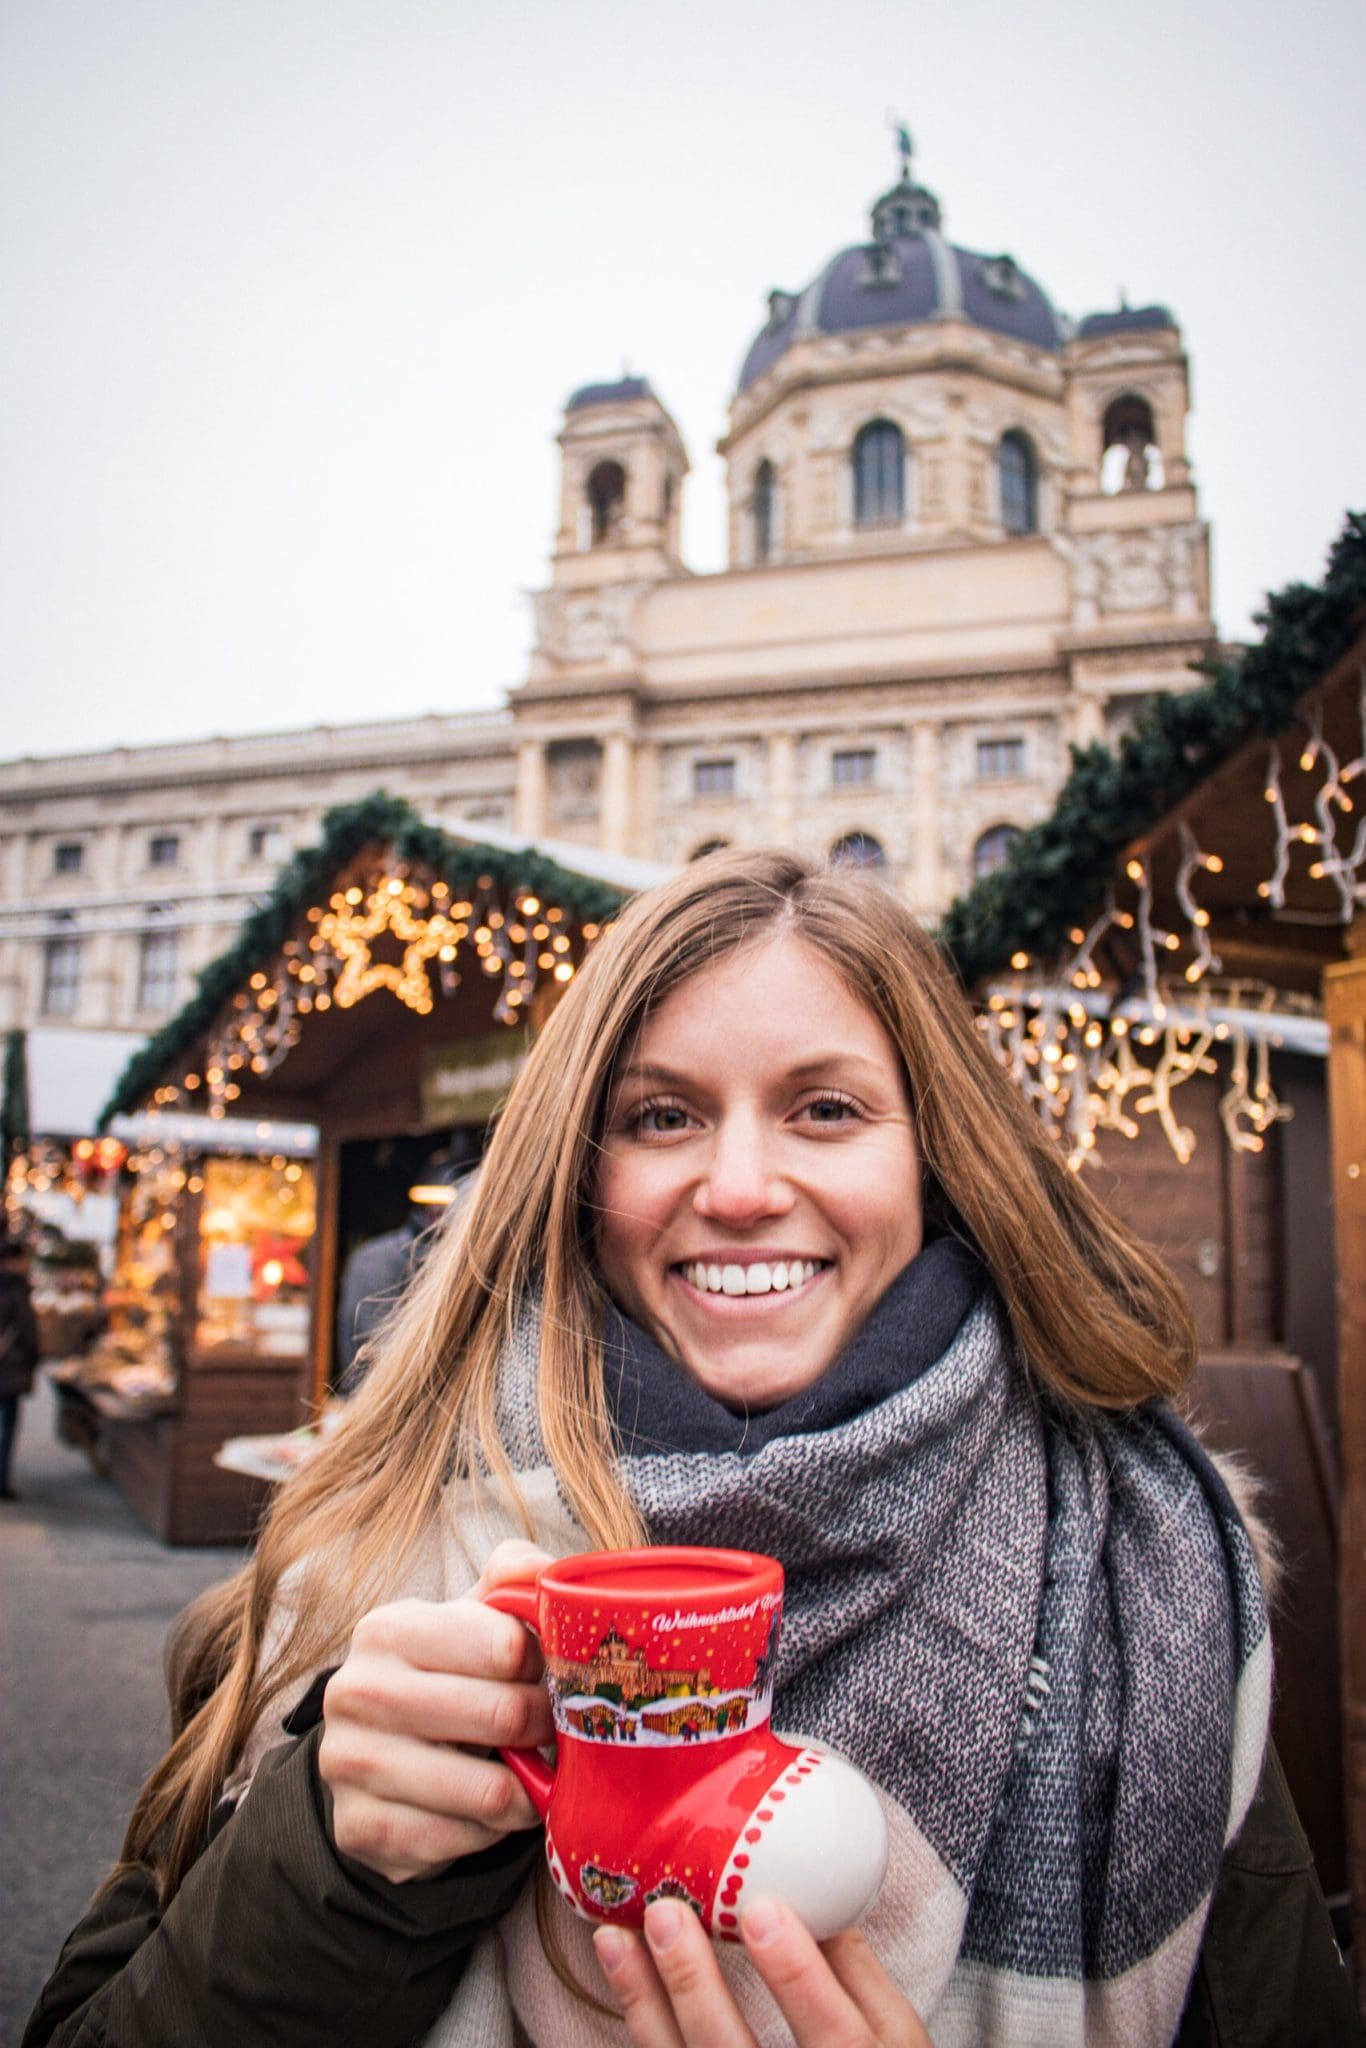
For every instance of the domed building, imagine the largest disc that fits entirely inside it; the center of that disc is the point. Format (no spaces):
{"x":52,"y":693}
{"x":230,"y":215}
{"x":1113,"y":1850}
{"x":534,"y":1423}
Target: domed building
{"x":963,"y":533}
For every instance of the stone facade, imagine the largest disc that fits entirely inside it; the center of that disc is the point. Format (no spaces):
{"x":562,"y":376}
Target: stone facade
{"x":124,"y":872}
{"x":963,"y":534}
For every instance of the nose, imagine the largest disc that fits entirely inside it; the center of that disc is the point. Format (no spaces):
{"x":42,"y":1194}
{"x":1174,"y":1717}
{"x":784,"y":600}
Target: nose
{"x":743,"y":1181}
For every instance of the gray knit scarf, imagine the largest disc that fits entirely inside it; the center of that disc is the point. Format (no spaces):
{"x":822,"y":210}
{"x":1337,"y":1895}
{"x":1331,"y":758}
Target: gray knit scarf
{"x":1041,"y":1633}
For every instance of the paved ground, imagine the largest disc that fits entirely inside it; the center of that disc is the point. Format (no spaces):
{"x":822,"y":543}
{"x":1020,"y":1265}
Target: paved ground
{"x":87,"y":1598}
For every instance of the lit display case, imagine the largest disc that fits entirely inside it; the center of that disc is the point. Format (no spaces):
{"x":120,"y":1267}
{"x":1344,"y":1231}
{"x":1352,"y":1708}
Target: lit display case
{"x":256,"y":1225}
{"x":136,"y":1360}
{"x":208,"y":1334}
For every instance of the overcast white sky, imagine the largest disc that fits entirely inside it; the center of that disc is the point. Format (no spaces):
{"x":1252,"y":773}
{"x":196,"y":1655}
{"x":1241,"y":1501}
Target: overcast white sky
{"x":295,"y":291}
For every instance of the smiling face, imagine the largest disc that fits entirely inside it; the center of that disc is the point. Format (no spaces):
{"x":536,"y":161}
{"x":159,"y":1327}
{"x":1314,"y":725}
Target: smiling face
{"x":759,"y":1185}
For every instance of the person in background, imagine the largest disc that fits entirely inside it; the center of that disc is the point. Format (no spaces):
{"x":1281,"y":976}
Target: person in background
{"x":378,"y":1270}
{"x":18,"y":1350}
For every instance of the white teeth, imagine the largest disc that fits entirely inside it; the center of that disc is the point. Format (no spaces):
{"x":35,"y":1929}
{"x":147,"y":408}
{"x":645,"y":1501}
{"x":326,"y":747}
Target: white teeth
{"x":756,"y":1279}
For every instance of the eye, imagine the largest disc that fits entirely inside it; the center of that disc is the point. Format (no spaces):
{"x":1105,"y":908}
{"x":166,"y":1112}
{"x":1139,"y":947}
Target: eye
{"x":831,"y":1108}
{"x":658,"y":1118}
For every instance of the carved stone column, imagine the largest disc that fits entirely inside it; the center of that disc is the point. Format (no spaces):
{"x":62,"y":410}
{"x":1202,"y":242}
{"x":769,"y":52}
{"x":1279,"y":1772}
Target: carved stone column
{"x":108,"y":858}
{"x":1086,"y":721}
{"x":645,"y":814}
{"x":782,"y":788}
{"x":927,"y":860}
{"x":212,"y":854}
{"x":109,"y":978}
{"x":959,"y":456}
{"x":614,"y":818}
{"x":528,"y":796}
{"x":13,"y":1013}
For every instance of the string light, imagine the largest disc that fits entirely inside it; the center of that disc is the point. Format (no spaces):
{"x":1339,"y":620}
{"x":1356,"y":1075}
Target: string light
{"x":337,"y":959}
{"x":1087,"y":1067}
{"x":1335,"y":862}
{"x":1086,"y":1071}
{"x":1193,"y":863}
{"x":1248,"y":1113}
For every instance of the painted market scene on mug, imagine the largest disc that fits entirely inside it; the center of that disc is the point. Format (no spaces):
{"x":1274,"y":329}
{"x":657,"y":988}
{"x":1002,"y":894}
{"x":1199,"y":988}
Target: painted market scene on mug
{"x":684,"y":1343}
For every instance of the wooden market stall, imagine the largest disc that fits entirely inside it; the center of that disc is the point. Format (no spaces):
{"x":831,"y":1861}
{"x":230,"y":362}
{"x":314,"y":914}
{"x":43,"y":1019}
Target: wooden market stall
{"x":1179,"y":954}
{"x":207,"y":1321}
{"x":383,"y":1000}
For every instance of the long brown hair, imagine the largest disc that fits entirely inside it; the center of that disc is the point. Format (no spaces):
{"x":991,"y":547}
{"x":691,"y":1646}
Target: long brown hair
{"x":1095,"y":1315}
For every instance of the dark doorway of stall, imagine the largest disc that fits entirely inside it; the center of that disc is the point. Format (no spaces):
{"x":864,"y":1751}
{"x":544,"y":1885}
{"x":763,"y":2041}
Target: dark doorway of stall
{"x":392,"y":1192}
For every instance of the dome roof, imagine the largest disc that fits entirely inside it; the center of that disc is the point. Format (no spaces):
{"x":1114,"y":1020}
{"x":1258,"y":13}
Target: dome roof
{"x":906,"y":274}
{"x":616,"y":393}
{"x":1128,"y":320}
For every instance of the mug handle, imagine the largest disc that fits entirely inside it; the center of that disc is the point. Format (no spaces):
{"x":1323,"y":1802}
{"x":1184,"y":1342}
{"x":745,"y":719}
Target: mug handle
{"x":521,"y":1599}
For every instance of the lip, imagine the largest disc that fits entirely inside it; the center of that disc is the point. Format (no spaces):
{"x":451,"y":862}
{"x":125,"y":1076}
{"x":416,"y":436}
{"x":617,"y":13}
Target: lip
{"x":748,"y":1255}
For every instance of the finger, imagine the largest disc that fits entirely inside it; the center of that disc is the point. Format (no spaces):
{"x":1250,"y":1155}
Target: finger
{"x":401,"y":1842}
{"x":810,"y":1996}
{"x":892,"y":2019}
{"x":452,"y":1783}
{"x":509,"y":1562}
{"x":704,"y":2010}
{"x":382,"y":1692}
{"x":450,"y":1635}
{"x":635,"y":1984}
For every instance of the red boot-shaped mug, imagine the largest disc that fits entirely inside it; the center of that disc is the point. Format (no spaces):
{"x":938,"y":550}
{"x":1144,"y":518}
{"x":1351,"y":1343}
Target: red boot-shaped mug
{"x":669,"y":1781}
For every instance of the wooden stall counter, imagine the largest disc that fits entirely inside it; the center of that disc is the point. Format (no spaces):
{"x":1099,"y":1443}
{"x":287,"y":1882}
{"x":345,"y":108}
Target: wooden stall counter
{"x":165,"y":1463}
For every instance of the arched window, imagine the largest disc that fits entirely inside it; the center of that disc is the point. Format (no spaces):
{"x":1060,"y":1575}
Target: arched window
{"x":857,"y":850}
{"x":1018,"y":473}
{"x":1130,"y":458}
{"x":606,"y":500}
{"x":708,"y":846}
{"x":879,"y":474}
{"x":991,"y":849}
{"x":765,"y":501}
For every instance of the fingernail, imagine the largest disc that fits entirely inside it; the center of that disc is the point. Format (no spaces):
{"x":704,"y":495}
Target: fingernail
{"x":610,"y":1944}
{"x":663,"y":1924}
{"x":761,"y":1921}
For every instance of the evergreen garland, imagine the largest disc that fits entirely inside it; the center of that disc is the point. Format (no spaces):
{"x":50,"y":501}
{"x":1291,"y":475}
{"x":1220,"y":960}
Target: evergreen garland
{"x":380,"y":822}
{"x":14,"y":1105}
{"x":1056,"y":874}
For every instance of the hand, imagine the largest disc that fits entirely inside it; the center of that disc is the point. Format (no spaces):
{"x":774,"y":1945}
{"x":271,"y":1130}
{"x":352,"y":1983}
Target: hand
{"x":428,"y":1688}
{"x":672,"y":1993}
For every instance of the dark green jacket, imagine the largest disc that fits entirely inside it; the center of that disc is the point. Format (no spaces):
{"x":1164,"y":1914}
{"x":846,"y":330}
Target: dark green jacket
{"x":275,"y":1938}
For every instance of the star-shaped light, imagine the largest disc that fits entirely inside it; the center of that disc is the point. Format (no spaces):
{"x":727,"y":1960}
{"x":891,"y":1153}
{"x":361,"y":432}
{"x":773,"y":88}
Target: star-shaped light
{"x":349,"y":931}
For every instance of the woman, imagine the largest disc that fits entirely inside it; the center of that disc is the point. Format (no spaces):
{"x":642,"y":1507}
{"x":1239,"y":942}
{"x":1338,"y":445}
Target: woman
{"x":766,"y":1251}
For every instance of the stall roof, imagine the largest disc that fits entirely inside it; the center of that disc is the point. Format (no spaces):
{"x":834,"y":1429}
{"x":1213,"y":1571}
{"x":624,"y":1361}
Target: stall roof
{"x":592,"y":890}
{"x":620,"y":870}
{"x":1058,"y":872}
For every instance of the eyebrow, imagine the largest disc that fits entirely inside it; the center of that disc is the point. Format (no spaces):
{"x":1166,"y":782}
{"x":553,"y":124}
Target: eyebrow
{"x":812,"y":1065}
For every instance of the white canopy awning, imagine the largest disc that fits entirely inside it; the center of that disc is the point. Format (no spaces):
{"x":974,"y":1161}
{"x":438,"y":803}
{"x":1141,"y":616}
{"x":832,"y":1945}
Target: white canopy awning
{"x":621,"y":870}
{"x":71,"y":1075}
